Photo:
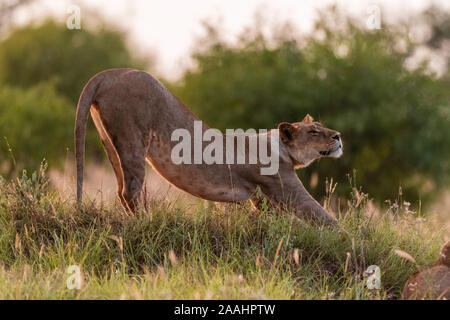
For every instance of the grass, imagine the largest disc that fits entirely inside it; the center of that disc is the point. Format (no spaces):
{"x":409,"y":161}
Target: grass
{"x":208,"y":252}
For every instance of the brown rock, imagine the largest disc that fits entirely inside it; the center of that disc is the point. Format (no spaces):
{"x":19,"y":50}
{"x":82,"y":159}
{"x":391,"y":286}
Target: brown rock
{"x":431,"y":283}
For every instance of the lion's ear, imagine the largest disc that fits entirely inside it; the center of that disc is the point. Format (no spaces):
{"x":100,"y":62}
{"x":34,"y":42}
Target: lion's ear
{"x":287,"y":131}
{"x":308,"y":119}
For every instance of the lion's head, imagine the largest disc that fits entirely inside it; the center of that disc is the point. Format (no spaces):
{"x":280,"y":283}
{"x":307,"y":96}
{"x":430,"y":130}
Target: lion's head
{"x":309,"y":140}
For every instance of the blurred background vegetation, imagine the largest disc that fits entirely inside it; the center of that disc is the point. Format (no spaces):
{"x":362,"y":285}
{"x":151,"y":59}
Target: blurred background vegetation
{"x":394,"y":118}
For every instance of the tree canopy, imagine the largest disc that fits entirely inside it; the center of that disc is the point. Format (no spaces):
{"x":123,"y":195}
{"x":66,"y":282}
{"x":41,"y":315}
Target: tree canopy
{"x":51,"y":52}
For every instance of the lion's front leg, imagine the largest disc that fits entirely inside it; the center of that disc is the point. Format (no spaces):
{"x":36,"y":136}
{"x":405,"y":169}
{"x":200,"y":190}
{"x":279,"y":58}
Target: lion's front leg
{"x":290,"y":194}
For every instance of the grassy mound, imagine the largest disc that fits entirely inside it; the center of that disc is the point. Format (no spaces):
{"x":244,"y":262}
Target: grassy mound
{"x":208,"y":252}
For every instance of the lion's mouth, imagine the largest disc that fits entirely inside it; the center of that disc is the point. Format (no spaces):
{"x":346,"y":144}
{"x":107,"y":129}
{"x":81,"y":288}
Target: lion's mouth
{"x":331,"y":151}
{"x":325,"y":153}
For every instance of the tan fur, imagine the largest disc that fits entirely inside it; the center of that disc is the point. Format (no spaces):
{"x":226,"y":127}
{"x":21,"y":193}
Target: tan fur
{"x":135,"y":116}
{"x":433,"y":282}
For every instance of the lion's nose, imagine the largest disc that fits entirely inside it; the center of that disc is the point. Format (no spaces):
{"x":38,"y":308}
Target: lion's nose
{"x":337,"y":137}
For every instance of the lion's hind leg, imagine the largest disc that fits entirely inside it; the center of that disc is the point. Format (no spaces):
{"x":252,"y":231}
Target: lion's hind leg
{"x":111,"y":152}
{"x":131,"y":152}
{"x":133,"y":167}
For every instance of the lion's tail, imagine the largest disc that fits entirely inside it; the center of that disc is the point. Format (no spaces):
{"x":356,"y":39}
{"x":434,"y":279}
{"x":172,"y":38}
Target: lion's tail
{"x":83,"y":108}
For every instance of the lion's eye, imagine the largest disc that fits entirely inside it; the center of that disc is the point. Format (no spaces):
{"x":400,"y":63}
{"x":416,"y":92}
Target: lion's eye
{"x":313,"y":132}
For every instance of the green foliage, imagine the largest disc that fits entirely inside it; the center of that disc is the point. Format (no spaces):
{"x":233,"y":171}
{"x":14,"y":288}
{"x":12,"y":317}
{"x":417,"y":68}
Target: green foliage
{"x":394,"y":121}
{"x":218,"y":252}
{"x":33,"y":188}
{"x":51,"y":52}
{"x":34,"y":124}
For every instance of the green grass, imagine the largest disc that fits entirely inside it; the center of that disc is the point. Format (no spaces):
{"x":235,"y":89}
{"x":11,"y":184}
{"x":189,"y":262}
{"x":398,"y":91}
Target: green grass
{"x":208,"y":252}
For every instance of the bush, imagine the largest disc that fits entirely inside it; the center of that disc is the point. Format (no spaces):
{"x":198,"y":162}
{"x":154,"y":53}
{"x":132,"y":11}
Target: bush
{"x":35,"y":123}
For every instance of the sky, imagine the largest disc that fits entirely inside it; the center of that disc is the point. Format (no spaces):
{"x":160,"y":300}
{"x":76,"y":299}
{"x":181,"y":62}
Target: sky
{"x":168,"y":29}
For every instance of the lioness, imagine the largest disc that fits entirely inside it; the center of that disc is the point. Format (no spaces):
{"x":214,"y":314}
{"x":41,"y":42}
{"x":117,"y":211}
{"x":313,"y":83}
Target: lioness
{"x":136,"y":115}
